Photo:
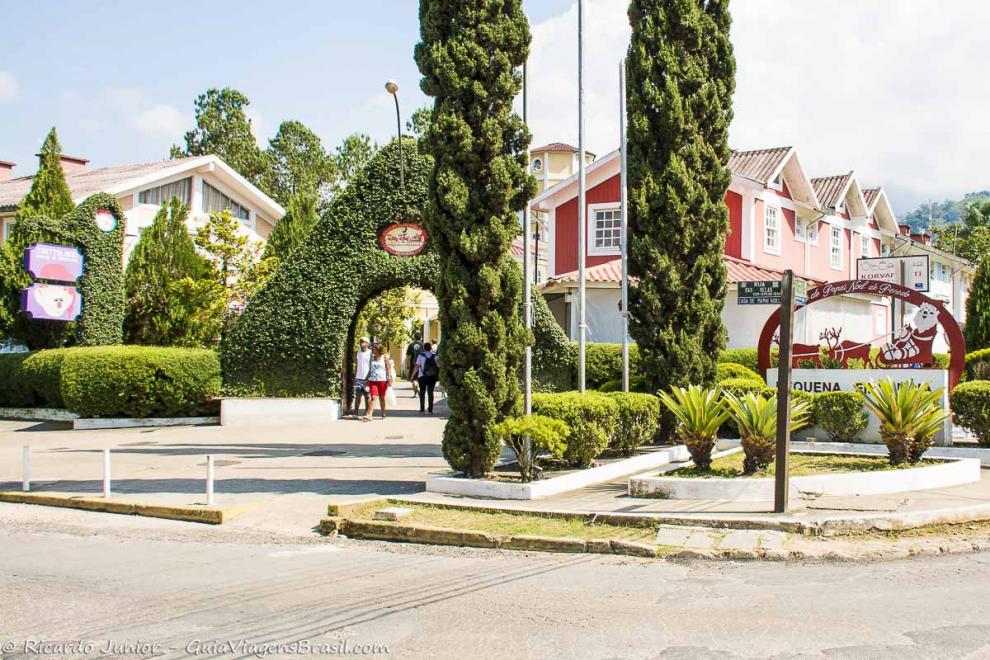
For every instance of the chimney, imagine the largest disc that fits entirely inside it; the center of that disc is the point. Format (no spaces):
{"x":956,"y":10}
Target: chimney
{"x":6,"y":170}
{"x":924,"y":238}
{"x":904,"y":229}
{"x":70,"y":164}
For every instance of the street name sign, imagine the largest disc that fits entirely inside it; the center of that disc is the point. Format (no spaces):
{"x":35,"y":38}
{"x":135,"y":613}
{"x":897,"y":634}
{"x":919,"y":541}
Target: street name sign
{"x":768,"y":292}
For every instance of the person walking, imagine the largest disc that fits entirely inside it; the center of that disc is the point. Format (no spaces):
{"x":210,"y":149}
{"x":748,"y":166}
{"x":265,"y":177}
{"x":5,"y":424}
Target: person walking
{"x":428,"y":372}
{"x":380,"y":376}
{"x":362,"y":360}
{"x":413,"y":350}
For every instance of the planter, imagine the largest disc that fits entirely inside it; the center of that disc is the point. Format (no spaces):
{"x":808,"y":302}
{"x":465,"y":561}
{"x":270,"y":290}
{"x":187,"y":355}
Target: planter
{"x":951,"y":472}
{"x":38,"y":414}
{"x":248,"y":412}
{"x":92,"y":423}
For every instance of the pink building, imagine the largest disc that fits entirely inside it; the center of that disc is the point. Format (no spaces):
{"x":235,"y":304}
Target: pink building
{"x":779,"y":218}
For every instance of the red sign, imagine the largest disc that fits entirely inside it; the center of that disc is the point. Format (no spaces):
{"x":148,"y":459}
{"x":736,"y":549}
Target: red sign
{"x":405,"y":239}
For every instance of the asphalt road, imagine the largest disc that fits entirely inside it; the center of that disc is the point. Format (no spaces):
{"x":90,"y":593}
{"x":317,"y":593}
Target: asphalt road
{"x":185,"y":590}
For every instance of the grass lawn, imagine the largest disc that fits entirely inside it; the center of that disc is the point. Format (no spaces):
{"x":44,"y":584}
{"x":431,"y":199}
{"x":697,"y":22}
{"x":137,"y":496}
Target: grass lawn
{"x":802,"y":465}
{"x":507,"y":524}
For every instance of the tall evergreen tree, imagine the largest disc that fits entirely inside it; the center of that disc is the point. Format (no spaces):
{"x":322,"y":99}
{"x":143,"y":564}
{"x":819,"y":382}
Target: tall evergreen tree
{"x":977,"y":328}
{"x":349,"y":157}
{"x":680,"y":72}
{"x":298,"y":162}
{"x":49,"y":197}
{"x":223,"y":129}
{"x":164,"y":256}
{"x":299,"y":219}
{"x":469,"y":55}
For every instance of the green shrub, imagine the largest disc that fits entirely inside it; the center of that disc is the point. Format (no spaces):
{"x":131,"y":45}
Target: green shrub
{"x":592,"y":418}
{"x":744,"y":356}
{"x":743,"y":386}
{"x":970,"y":403}
{"x":978,"y":365}
{"x":726,"y":370}
{"x":14,"y":392}
{"x":637,"y":383}
{"x":42,"y":373}
{"x":536,"y":432}
{"x":808,"y":399}
{"x":139,"y":381}
{"x":603,"y":363}
{"x":841,"y":414}
{"x":639,"y":415}
{"x":941,"y":360}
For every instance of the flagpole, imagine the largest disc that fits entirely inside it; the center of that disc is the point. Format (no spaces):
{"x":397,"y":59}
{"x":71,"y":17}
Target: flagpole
{"x":582,"y":210}
{"x":624,"y":211}
{"x":527,"y":287}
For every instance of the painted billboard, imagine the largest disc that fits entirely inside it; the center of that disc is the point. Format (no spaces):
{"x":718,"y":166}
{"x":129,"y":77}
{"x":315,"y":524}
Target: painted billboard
{"x":51,"y":302}
{"x":61,"y":263}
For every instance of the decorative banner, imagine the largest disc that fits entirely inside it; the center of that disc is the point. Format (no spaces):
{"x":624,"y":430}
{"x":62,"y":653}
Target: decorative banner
{"x":405,"y":239}
{"x":106,"y":220}
{"x":51,"y":302}
{"x":888,"y":269}
{"x":61,"y":263}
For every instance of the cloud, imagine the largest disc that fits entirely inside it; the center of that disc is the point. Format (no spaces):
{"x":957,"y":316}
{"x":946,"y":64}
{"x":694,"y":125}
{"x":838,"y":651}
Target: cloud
{"x":259,"y":128}
{"x":895,"y":94}
{"x":10,"y":91}
{"x":155,"y":121}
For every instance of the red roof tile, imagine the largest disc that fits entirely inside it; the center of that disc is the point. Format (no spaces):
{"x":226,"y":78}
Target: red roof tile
{"x":556,"y":146}
{"x":830,"y":189}
{"x":758,"y":164}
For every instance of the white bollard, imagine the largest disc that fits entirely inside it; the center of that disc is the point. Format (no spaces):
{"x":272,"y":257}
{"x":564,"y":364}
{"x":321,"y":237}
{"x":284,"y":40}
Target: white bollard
{"x":106,"y":473}
{"x":209,"y":480}
{"x":26,"y":482}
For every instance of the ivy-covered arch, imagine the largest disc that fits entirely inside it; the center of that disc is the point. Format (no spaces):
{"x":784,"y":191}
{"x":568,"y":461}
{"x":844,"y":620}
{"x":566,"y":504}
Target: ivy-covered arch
{"x":291,"y":338}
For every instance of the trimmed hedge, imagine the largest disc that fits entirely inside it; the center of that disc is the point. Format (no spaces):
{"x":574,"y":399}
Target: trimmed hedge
{"x":14,"y":392}
{"x":30,"y":380}
{"x":140,"y":381}
{"x":592,"y":418}
{"x":744,"y":356}
{"x":978,"y":365}
{"x":743,"y":386}
{"x":726,"y":370}
{"x":841,"y":414}
{"x":637,"y":383}
{"x":603,"y":363}
{"x":970,"y":403}
{"x":639,"y":416}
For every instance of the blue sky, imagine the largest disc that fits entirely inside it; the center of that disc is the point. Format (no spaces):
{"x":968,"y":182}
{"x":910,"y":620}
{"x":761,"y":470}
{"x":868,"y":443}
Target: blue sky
{"x":886,"y":87}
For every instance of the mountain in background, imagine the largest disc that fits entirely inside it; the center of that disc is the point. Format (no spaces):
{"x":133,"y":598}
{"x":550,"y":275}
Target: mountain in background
{"x":948,"y":212}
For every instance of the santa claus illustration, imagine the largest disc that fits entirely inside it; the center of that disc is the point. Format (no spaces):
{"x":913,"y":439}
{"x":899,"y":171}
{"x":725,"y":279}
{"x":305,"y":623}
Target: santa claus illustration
{"x":913,"y":343}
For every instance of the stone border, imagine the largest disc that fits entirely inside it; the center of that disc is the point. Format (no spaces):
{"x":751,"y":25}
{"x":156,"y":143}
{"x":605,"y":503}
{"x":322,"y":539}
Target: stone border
{"x":209,"y":516}
{"x":951,"y":472}
{"x":879,"y":449}
{"x":534,"y":490}
{"x":94,"y":423}
{"x":38,"y":414}
{"x":255,"y":412}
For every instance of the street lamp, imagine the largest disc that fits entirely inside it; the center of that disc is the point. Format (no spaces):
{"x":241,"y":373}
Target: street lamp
{"x":392,"y":88}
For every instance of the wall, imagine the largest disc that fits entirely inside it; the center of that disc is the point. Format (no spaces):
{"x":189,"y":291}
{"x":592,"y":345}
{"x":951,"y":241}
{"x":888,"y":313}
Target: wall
{"x":565,"y":238}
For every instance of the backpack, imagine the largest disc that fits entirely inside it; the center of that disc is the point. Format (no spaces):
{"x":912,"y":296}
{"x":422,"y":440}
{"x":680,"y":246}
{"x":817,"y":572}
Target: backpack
{"x":430,"y":368}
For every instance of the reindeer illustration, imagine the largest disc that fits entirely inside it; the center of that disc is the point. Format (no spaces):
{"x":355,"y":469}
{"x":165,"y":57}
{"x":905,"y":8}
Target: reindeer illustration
{"x":802,"y":353}
{"x":843,"y":351}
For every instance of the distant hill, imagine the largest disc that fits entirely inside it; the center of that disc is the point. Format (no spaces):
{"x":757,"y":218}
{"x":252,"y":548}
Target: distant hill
{"x":948,"y":212}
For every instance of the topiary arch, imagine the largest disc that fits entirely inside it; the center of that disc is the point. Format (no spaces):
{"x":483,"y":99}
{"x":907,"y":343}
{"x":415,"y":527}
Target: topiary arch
{"x":291,"y":338}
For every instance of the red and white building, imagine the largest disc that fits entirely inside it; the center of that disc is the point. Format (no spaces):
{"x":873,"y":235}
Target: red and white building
{"x":779,"y":218}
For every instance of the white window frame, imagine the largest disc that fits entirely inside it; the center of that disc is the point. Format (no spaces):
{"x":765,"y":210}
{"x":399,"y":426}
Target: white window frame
{"x":777,"y":184}
{"x":835,"y":244}
{"x":884,"y":249}
{"x":6,"y":227}
{"x":768,"y":245}
{"x":592,"y":220}
{"x":865,"y":245}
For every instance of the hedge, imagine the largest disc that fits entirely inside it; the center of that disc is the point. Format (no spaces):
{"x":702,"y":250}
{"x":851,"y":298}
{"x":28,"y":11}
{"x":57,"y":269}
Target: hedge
{"x":29,"y":380}
{"x":726,"y":370}
{"x":639,"y":416}
{"x":970,"y":403}
{"x":841,"y":414}
{"x":745,"y":356}
{"x":978,"y":365}
{"x":14,"y":392}
{"x":637,"y":383}
{"x":592,"y":418}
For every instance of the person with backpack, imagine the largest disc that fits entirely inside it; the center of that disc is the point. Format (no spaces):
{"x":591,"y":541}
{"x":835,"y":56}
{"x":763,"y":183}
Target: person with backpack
{"x":428,"y":372}
{"x":413,"y":350}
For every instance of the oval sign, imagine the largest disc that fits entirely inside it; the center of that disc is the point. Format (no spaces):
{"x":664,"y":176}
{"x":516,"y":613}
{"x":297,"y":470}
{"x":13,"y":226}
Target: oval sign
{"x":405,"y":239}
{"x":105,"y":220}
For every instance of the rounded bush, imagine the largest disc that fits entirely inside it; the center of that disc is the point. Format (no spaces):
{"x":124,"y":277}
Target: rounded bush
{"x":140,"y":381}
{"x":744,"y":356}
{"x":639,"y":416}
{"x":14,"y":392}
{"x":978,"y":365}
{"x":42,"y":373}
{"x":637,"y":383}
{"x":592,"y":418}
{"x":742,"y":386}
{"x":726,"y":370}
{"x":841,"y":414}
{"x":603,"y":363}
{"x":970,"y":404}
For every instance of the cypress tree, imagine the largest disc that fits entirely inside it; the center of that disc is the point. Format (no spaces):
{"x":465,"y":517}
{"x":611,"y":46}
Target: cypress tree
{"x":49,"y":195}
{"x":299,"y":219}
{"x":469,"y":55}
{"x":977,"y":328}
{"x":164,"y":256}
{"x":680,"y":72}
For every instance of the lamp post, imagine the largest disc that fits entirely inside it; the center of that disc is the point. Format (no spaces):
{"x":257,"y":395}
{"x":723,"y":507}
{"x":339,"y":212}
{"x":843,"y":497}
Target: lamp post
{"x":582,"y":209}
{"x":392,"y":88}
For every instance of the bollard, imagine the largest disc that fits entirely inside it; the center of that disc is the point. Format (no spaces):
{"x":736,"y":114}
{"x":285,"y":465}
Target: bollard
{"x":106,"y":473}
{"x":209,"y":480}
{"x":26,"y":484}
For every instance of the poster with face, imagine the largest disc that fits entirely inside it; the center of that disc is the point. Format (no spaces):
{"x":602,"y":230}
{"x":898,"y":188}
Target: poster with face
{"x":105,"y":220}
{"x":51,"y":302}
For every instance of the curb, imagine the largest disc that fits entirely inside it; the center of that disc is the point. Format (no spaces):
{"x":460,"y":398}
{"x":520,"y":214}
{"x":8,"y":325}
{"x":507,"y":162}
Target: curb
{"x":168,"y":512}
{"x":100,"y":423}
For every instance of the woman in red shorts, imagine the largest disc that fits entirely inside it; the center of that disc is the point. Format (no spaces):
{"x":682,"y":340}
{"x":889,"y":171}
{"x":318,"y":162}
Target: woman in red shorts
{"x":379,"y":378}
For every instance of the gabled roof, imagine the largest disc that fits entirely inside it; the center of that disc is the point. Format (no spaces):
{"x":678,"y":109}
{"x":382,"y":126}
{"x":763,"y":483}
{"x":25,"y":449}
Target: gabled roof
{"x":125,"y":178}
{"x":871,"y":195}
{"x":567,"y":189}
{"x":556,"y":146}
{"x":760,"y":165}
{"x":832,"y":190}
{"x":878,"y":207}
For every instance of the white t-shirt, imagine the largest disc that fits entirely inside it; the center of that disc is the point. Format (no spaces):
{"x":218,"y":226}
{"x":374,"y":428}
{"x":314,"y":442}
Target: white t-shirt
{"x":363,"y":364}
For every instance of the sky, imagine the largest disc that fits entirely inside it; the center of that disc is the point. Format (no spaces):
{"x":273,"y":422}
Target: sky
{"x":893,"y":89}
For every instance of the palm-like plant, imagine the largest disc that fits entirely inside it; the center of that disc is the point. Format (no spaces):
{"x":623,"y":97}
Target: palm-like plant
{"x":909,"y":415}
{"x":699,"y":412}
{"x":756,"y":419}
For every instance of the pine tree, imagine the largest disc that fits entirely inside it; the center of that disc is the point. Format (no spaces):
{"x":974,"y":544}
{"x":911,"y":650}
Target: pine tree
{"x":298,"y":162}
{"x":469,"y":57}
{"x":164,"y":256}
{"x":680,"y":71}
{"x":977,"y":329}
{"x":49,"y":197}
{"x":299,"y":219}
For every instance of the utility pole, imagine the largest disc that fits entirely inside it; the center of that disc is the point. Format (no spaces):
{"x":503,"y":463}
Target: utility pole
{"x":582,"y":209}
{"x":527,"y":287}
{"x":624,"y":210}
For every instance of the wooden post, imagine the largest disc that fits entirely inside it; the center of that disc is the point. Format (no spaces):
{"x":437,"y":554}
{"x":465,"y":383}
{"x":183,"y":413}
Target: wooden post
{"x":782,"y":476}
